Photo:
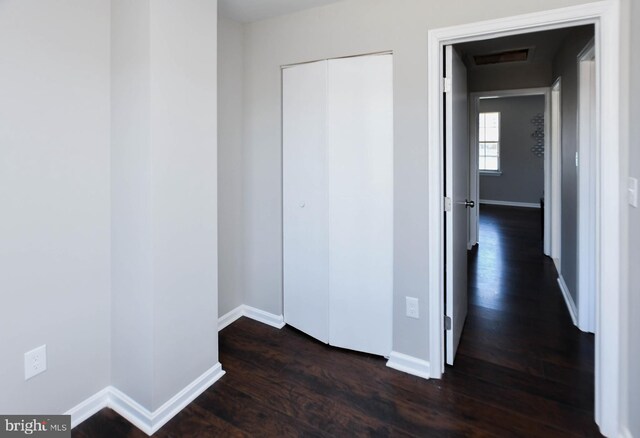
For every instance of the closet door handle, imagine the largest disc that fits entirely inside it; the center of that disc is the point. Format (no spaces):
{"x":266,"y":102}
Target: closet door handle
{"x":302,"y":204}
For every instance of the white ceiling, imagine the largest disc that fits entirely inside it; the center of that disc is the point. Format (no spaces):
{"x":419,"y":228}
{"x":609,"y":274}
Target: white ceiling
{"x":247,"y":11}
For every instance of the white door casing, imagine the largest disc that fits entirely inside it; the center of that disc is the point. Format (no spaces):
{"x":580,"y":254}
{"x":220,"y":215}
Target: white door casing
{"x":605,"y":15}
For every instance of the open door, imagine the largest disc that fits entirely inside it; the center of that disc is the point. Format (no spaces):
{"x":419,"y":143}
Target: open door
{"x":456,"y":198}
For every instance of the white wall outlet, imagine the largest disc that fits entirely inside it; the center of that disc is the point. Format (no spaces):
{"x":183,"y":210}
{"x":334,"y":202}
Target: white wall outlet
{"x":413,"y":308}
{"x":35,"y":362}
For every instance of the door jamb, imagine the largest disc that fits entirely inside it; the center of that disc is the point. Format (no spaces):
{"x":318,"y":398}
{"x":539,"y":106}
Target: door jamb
{"x":556,"y":173}
{"x":605,"y":15}
{"x":587,"y":139}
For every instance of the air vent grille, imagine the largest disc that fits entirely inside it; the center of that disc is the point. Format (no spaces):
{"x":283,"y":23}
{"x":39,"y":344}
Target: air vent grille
{"x":498,"y":58}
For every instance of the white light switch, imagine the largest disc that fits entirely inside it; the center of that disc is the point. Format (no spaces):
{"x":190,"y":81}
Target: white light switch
{"x":633,"y":192}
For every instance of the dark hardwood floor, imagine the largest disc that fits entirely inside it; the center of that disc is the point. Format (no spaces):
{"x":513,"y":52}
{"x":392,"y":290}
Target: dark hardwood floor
{"x":522,"y":368}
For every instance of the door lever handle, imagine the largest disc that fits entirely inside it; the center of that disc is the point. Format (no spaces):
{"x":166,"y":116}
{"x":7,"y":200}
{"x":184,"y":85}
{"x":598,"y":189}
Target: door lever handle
{"x":469,"y":204}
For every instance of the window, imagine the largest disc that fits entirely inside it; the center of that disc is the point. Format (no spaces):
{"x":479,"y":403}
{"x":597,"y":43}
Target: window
{"x":489,"y":143}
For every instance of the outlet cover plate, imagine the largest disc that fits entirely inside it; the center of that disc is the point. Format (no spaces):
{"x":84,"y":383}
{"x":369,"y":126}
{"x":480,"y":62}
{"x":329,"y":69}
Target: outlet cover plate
{"x":35,"y":362}
{"x":413,"y":309}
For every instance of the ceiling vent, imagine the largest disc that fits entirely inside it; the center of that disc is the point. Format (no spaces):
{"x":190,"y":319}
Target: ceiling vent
{"x":499,"y":58}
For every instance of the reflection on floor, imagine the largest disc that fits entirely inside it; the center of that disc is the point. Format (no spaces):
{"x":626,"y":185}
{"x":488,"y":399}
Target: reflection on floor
{"x":522,"y":369}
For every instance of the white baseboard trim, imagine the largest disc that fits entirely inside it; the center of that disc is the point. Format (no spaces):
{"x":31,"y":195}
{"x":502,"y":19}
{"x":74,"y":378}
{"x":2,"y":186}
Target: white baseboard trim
{"x":89,"y":407}
{"x":276,"y":321}
{"x":230,"y":317}
{"x":131,"y":410}
{"x":571,"y":305}
{"x":145,"y":420}
{"x":510,"y":204}
{"x":409,"y":364}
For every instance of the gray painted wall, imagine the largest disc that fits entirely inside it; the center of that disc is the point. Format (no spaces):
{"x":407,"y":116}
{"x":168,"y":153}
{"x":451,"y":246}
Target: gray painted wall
{"x":54,"y":197}
{"x":633,"y":307}
{"x":348,"y":28}
{"x":522,"y":178}
{"x":565,"y":65}
{"x":230,"y":199}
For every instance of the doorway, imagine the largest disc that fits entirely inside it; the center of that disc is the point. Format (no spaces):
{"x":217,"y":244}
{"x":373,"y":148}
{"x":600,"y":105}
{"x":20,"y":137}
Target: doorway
{"x":604,"y":16}
{"x":534,"y":188}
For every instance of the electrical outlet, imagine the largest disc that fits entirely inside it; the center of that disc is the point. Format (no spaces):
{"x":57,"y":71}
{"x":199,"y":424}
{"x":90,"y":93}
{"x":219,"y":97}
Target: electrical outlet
{"x":413,"y":308}
{"x":35,"y":362}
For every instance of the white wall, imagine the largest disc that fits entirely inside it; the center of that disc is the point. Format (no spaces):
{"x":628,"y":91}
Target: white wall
{"x":184,"y":139}
{"x":164,"y":189}
{"x":230,"y":199}
{"x":348,"y":28}
{"x":54,"y":197}
{"x":131,"y":181}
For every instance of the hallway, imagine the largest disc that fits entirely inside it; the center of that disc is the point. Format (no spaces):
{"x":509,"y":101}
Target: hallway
{"x":517,"y":316}
{"x":518,"y":331}
{"x":522,"y":368}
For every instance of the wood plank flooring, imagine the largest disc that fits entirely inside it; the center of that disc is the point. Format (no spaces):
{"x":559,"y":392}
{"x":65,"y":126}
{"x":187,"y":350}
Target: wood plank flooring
{"x":522,"y":368}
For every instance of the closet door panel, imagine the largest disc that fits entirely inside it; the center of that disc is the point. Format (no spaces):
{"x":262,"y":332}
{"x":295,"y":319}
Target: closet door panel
{"x":360,"y":148}
{"x":305,"y":200}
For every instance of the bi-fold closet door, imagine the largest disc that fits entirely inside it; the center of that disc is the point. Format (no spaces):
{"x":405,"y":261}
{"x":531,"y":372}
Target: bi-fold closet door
{"x":338,"y":201}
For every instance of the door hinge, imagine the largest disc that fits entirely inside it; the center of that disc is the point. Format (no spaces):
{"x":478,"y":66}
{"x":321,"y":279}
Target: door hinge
{"x":447,"y":204}
{"x":447,"y":323}
{"x":446,"y":85}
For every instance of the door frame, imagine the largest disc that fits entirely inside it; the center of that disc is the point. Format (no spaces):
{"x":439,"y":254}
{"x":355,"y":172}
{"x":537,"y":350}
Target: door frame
{"x":605,"y":15}
{"x":587,"y":145}
{"x":474,"y":179}
{"x":555,"y":132}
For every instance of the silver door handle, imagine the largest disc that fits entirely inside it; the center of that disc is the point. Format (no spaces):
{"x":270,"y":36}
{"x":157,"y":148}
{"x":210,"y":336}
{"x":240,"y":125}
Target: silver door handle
{"x":469,"y":204}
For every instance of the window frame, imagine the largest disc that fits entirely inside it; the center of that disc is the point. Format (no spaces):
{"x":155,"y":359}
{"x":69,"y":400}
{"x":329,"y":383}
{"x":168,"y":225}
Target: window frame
{"x":490,"y":172}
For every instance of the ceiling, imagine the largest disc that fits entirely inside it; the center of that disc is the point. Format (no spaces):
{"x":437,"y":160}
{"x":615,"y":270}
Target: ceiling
{"x":543,"y":46}
{"x":247,"y":11}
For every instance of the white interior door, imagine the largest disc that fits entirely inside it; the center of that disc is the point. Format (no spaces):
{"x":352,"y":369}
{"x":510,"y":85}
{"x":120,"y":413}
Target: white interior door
{"x":360,"y":144}
{"x":457,"y":190}
{"x":305,"y":200}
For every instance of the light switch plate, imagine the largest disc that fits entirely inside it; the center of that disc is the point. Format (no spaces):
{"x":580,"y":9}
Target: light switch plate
{"x":633,"y":192}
